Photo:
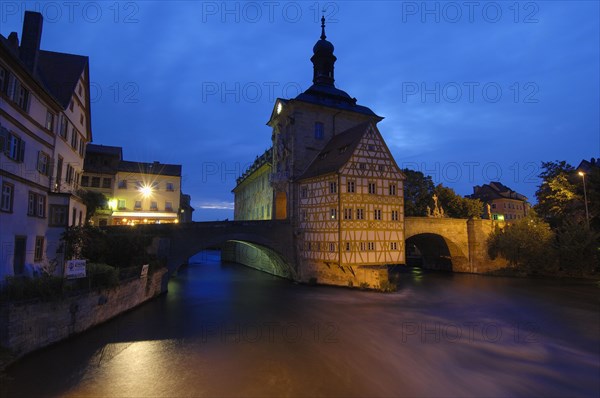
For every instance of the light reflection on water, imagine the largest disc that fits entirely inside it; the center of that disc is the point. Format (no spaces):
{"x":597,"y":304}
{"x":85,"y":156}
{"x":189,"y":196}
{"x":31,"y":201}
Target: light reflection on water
{"x":226,"y":330}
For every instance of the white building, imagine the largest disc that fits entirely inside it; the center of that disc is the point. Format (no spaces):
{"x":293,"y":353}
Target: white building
{"x":44,"y":128}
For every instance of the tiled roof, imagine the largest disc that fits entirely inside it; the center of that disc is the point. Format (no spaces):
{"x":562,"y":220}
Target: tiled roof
{"x":60,"y":73}
{"x":337,"y":152}
{"x":333,"y":97}
{"x":156,"y":168}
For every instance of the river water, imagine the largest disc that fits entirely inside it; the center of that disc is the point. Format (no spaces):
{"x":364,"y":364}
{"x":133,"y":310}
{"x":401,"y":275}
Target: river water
{"x":227,"y":330}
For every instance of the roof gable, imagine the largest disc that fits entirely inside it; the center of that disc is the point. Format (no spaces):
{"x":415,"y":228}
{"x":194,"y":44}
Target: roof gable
{"x":337,"y":152}
{"x":60,"y":73}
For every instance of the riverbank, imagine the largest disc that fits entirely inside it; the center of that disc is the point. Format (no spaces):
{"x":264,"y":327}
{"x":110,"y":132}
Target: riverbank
{"x":29,"y":326}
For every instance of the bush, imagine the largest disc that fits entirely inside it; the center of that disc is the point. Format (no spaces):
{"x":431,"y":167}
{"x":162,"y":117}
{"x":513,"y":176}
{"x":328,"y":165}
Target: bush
{"x":526,"y":244}
{"x":18,"y":288}
{"x":102,"y":276}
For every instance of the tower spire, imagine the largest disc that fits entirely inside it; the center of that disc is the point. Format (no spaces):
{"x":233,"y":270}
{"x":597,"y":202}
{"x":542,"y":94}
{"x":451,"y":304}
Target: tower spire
{"x":323,"y":59}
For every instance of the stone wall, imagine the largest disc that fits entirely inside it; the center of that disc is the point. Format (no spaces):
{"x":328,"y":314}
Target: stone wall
{"x":26,"y":327}
{"x":257,"y":257}
{"x":368,"y":276}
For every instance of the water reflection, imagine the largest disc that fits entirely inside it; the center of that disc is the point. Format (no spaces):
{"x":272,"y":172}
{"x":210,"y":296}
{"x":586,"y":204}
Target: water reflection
{"x":226,"y":330}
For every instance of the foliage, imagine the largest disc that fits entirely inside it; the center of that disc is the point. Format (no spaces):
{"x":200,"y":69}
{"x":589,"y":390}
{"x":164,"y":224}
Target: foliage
{"x":418,"y":190}
{"x":118,"y":248}
{"x":527,"y":244}
{"x":456,"y":206}
{"x":578,"y":248}
{"x":19,"y":288}
{"x":558,"y":197}
{"x":102,"y":275}
{"x":93,"y":201}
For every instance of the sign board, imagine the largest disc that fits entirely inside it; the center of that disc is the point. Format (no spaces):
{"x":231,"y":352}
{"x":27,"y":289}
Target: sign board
{"x":144,"y":271}
{"x":75,"y":269}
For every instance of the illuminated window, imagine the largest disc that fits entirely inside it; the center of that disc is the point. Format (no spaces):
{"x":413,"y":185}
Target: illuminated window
{"x":121,"y":204}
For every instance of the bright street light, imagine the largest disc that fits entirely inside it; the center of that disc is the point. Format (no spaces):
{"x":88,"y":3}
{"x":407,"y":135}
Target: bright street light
{"x":146,"y":190}
{"x":587,"y":214}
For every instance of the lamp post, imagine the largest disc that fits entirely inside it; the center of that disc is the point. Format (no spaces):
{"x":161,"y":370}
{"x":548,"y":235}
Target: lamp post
{"x":587,"y":214}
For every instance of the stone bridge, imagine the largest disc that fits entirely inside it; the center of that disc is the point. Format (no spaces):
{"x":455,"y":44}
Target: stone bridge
{"x":265,"y":245}
{"x":457,"y":245}
{"x":451,"y":244}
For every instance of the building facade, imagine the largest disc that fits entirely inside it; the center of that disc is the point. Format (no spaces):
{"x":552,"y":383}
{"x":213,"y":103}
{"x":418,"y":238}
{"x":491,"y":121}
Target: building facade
{"x":44,"y":128}
{"x":504,"y":203}
{"x":135,"y":192}
{"x":332,"y":176}
{"x":253,"y":192}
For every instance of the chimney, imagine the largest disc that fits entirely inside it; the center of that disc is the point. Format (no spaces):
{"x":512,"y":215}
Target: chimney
{"x":30,"y":39}
{"x":13,"y":41}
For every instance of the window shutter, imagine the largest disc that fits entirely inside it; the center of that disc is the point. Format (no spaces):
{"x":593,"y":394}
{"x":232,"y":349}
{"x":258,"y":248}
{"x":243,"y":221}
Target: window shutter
{"x":3,"y":139}
{"x":21,"y":151}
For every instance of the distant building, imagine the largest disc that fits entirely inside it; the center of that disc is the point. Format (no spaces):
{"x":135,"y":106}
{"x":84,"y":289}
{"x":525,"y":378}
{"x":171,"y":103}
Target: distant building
{"x":186,"y":211}
{"x":44,"y":128}
{"x":253,"y":192}
{"x":586,"y":166}
{"x":329,"y":173}
{"x":135,"y":192}
{"x":505,"y":204}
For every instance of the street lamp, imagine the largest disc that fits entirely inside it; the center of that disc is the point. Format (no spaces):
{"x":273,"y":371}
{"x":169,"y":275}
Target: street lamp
{"x":587,"y":214}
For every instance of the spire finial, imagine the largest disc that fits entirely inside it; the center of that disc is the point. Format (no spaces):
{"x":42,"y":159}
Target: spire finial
{"x":323,"y":37}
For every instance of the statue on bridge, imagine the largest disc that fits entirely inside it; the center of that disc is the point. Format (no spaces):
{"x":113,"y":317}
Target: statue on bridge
{"x":438,"y":210}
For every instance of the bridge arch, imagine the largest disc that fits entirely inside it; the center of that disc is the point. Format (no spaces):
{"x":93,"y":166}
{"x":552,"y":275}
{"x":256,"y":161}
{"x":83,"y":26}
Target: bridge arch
{"x":442,"y":242}
{"x":249,"y":243}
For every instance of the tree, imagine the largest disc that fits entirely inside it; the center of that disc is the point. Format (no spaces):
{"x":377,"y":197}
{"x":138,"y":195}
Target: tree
{"x":527,"y":244}
{"x":577,"y":248}
{"x":558,"y":197}
{"x":456,"y":206}
{"x":93,"y":201}
{"x":418,"y":190}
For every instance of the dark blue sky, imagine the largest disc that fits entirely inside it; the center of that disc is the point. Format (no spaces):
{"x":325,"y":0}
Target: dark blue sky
{"x":470,"y":92}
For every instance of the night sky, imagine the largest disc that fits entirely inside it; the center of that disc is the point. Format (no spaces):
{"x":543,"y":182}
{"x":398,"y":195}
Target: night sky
{"x":470,"y":92}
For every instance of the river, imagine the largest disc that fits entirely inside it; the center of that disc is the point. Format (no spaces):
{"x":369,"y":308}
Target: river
{"x":227,"y":330}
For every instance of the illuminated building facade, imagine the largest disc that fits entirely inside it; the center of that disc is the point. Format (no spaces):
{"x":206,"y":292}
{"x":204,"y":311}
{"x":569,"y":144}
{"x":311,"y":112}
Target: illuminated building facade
{"x":505,"y":204}
{"x":253,"y":192}
{"x":44,"y":129}
{"x":135,"y":192}
{"x":334,"y":178}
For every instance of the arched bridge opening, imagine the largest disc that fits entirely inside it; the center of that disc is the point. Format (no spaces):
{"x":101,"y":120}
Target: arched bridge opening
{"x":430,"y":251}
{"x":265,"y":246}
